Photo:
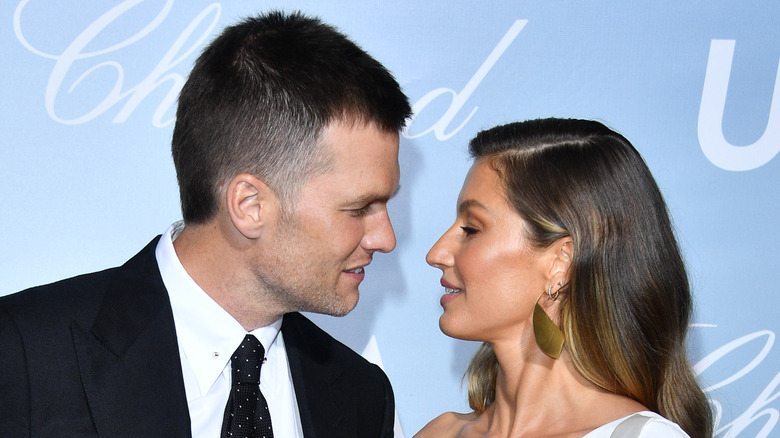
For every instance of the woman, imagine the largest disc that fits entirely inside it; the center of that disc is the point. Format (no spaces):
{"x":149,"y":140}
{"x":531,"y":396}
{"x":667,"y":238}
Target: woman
{"x":562,"y":260}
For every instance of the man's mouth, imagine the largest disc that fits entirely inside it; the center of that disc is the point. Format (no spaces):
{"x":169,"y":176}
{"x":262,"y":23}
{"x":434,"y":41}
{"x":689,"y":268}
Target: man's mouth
{"x":355,"y":271}
{"x":452,"y":291}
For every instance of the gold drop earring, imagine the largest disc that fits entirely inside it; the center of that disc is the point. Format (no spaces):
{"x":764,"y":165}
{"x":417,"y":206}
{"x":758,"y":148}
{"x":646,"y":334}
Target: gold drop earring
{"x":548,"y":336}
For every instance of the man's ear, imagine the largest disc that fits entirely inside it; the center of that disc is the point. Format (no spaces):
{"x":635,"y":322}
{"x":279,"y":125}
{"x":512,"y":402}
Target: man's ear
{"x":251,"y":204}
{"x":562,"y":251}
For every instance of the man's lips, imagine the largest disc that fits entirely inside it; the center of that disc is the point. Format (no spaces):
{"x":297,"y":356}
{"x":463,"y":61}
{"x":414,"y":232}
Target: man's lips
{"x":359,"y":270}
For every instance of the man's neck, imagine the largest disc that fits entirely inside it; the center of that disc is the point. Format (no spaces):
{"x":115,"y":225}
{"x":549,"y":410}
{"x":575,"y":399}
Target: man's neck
{"x":217,"y":259}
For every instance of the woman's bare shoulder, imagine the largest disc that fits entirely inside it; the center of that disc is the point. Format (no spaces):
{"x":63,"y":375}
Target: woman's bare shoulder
{"x":448,"y":424}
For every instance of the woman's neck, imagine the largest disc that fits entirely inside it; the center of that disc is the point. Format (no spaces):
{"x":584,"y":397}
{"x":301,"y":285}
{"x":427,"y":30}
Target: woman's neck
{"x":537,"y":395}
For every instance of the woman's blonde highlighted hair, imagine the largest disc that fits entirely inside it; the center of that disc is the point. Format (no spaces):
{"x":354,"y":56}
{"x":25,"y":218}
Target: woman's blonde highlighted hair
{"x":625,"y":310}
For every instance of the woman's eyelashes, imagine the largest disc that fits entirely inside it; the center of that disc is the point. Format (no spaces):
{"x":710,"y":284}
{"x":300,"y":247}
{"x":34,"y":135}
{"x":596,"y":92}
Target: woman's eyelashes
{"x":468,"y":231}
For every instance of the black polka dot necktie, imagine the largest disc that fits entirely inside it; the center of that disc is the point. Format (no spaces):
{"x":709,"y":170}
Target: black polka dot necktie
{"x":246,"y":413}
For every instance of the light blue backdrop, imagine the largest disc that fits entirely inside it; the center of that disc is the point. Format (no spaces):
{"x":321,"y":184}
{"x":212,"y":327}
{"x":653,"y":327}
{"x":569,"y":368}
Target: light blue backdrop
{"x":88,"y":97}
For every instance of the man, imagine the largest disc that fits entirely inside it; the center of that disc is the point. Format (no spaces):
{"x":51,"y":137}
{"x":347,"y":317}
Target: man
{"x":286,"y":153}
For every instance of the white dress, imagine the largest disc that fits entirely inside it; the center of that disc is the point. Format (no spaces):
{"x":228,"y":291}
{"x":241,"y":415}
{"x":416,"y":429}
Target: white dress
{"x":645,"y":424}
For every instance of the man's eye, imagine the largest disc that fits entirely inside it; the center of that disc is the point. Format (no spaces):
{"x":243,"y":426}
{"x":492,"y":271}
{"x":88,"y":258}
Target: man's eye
{"x":358,"y":212}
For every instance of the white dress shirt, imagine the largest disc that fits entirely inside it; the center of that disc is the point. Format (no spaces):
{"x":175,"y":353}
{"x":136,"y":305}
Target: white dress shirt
{"x":207,"y":337}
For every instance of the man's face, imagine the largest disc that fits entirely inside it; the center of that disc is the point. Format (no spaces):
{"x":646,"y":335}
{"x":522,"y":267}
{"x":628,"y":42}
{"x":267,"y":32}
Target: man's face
{"x":315,"y":260}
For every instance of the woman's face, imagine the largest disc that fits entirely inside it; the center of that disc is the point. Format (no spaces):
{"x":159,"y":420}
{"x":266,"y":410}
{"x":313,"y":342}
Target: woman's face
{"x":491,"y":274}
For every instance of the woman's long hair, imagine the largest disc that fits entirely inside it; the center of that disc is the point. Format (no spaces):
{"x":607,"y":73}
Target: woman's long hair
{"x":626,"y":308}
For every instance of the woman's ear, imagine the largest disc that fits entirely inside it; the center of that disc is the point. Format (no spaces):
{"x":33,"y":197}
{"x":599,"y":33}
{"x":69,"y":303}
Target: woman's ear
{"x":562,"y":257}
{"x":251,"y":204}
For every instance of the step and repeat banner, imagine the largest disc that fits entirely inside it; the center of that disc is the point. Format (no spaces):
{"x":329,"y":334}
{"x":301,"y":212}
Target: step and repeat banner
{"x":88,"y":100}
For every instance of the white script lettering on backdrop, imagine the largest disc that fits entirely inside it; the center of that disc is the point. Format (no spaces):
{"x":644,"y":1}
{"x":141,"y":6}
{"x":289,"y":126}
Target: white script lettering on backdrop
{"x":758,"y":408}
{"x":459,"y":99}
{"x":713,"y":102}
{"x":75,"y":51}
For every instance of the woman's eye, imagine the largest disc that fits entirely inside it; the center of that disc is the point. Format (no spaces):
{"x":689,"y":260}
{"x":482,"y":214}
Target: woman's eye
{"x":469,"y":231}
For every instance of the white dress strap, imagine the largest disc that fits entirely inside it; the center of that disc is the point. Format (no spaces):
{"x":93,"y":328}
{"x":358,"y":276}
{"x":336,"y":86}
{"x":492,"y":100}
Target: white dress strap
{"x":631,"y":427}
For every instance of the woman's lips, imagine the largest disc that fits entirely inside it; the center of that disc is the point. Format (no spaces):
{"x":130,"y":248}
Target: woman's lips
{"x":450,"y":294}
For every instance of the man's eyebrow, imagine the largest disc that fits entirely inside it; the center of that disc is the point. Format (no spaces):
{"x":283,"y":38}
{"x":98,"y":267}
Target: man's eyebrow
{"x":367,"y":198}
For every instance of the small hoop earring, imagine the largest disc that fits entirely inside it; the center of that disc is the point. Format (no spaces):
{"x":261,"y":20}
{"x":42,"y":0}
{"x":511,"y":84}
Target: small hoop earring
{"x":552,"y":295}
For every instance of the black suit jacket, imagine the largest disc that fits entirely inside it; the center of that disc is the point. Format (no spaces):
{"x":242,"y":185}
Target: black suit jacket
{"x":97,"y":355}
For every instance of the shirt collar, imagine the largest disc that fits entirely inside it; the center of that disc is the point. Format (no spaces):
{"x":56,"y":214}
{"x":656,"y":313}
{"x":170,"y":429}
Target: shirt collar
{"x":207,"y":334}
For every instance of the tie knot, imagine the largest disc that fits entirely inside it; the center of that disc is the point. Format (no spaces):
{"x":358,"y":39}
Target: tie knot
{"x":246,"y":361}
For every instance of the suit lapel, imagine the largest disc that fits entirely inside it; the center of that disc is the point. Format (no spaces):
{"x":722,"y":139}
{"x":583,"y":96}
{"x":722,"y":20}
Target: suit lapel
{"x":129,"y":359}
{"x":313,"y":373}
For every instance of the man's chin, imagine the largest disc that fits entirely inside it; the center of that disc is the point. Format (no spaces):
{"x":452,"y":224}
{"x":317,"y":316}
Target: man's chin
{"x":340,"y":307}
{"x":346,"y":307}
